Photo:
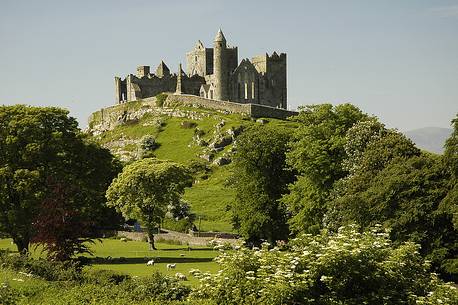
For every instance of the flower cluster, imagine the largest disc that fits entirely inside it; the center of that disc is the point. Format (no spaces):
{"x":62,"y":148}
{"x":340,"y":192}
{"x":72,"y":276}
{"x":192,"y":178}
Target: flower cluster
{"x":348,"y":267}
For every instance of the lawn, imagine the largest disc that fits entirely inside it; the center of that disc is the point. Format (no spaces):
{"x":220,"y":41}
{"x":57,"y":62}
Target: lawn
{"x":131,"y":257}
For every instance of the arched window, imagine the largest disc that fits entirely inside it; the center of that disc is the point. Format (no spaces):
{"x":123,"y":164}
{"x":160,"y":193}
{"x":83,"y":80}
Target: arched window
{"x":246,"y":90}
{"x":252,"y":90}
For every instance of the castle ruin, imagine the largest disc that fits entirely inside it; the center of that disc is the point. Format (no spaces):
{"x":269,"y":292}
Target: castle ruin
{"x":213,"y":73}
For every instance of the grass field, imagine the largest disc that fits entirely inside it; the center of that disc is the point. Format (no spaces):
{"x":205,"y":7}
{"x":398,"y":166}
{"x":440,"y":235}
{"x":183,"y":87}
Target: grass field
{"x":135,"y":254}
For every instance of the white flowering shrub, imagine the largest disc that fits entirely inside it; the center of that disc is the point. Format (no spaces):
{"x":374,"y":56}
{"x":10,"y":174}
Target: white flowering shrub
{"x":343,"y":268}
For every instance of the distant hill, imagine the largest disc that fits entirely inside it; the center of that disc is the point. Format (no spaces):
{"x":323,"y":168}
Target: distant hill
{"x":431,"y":139}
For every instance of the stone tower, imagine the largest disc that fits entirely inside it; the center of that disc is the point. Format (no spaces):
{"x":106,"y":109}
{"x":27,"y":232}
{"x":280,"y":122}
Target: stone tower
{"x":220,"y":73}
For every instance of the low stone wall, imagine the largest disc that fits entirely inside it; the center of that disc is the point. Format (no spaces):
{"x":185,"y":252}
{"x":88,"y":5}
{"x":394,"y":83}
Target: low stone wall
{"x":185,"y":239}
{"x":253,"y":110}
{"x":197,"y":101}
{"x":261,"y":111}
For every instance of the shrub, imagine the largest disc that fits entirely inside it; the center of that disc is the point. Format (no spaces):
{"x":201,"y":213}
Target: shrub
{"x":180,"y":225}
{"x":48,"y":270}
{"x":344,"y":268}
{"x":8,"y":296}
{"x":175,"y":242}
{"x":148,"y":143}
{"x":160,"y":99}
{"x":105,"y":277}
{"x":156,"y":286}
{"x":188,"y":124}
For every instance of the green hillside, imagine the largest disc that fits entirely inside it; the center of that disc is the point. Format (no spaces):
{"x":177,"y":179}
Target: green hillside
{"x":183,"y":134}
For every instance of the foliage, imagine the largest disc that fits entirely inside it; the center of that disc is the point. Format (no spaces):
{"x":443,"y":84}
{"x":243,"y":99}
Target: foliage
{"x":104,"y":277}
{"x":317,"y":152}
{"x":260,"y":179}
{"x":393,"y":184}
{"x":146,"y":188}
{"x":50,"y":271}
{"x":450,"y":203}
{"x":344,"y":268}
{"x":160,"y":99}
{"x":39,"y":143}
{"x":148,"y":143}
{"x":8,"y":296}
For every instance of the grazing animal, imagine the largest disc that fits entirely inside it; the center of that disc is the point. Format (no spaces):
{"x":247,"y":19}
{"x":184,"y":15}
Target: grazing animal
{"x":123,"y":239}
{"x":150,"y":263}
{"x":181,"y":254}
{"x":181,"y":276}
{"x":171,"y":266}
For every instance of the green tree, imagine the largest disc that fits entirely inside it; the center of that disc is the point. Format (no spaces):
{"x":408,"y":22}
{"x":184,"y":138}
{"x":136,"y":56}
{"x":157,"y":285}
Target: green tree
{"x":317,"y":152}
{"x":38,"y":145}
{"x":145,"y":189}
{"x":394,"y":184}
{"x":260,"y":179}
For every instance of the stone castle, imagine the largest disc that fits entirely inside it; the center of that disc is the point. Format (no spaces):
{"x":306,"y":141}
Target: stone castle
{"x":213,"y":73}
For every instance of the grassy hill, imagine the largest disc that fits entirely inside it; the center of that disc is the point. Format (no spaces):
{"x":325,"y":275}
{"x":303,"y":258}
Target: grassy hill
{"x":183,"y":134}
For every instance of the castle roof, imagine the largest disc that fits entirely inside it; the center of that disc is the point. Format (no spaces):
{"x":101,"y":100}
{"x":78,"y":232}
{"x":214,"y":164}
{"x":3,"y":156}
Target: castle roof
{"x":220,"y":36}
{"x":162,"y":69}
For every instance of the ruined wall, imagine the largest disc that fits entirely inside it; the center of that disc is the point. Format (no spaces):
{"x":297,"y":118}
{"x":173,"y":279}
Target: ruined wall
{"x":253,"y":110}
{"x":197,"y":101}
{"x":262,"y":111}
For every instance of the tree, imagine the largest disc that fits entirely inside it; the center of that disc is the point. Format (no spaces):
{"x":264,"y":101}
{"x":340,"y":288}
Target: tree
{"x":145,"y":189}
{"x":39,"y":143}
{"x":260,"y":179}
{"x":316,"y":152}
{"x":394,"y":184}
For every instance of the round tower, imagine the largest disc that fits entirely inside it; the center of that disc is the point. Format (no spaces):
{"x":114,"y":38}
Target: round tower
{"x":220,"y":73}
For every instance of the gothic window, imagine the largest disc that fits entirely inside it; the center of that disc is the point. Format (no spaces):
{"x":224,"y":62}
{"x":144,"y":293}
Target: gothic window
{"x":252,"y":90}
{"x":246,"y":90}
{"x":195,"y":58}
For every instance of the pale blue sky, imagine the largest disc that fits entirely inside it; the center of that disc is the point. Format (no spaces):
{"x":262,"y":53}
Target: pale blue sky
{"x":395,"y":59}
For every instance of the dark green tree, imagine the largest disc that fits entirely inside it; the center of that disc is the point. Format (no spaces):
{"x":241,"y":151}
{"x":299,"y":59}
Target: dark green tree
{"x":39,"y":145}
{"x":145,"y":189}
{"x":396,"y":185}
{"x":260,"y":179}
{"x":317,"y":152}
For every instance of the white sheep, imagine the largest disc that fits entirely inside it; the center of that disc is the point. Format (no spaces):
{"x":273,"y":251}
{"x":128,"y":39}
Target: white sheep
{"x":150,"y":263}
{"x":171,"y":266}
{"x":181,"y":276}
{"x":123,"y":239}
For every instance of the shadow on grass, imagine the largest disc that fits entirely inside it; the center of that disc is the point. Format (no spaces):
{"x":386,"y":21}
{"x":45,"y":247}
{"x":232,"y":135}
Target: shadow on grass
{"x":184,"y":250}
{"x":143,"y":260}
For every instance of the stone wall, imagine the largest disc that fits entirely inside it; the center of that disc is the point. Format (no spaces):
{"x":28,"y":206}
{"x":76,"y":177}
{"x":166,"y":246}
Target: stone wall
{"x":253,"y":110}
{"x":262,"y":111}
{"x":197,"y":101}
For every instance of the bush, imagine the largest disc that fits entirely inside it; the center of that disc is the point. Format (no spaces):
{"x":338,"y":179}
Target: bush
{"x":156,"y":287}
{"x":344,"y":268}
{"x":148,"y":143}
{"x":48,"y":270}
{"x":8,"y":296}
{"x":105,"y":277}
{"x":188,"y":124}
{"x":181,"y":225}
{"x":160,"y":99}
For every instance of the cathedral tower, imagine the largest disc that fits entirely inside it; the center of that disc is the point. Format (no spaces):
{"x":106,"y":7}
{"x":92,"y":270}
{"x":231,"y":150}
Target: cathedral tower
{"x":220,"y":73}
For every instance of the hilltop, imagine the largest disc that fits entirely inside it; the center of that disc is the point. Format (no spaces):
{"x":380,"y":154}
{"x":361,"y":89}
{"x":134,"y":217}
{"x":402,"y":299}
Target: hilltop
{"x":204,"y":139}
{"x":431,"y":139}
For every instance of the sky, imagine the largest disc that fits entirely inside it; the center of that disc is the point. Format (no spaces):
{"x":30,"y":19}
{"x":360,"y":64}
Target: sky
{"x":397,"y":60}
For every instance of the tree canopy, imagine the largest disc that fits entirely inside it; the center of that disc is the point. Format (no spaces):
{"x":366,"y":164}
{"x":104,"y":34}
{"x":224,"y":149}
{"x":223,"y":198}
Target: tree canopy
{"x":260,"y":178}
{"x":144,"y":190}
{"x":316,"y":152}
{"x":40,"y":147}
